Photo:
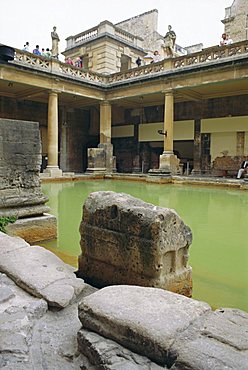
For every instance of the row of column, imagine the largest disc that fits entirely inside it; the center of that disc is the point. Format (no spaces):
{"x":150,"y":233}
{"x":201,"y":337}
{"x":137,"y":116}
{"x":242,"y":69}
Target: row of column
{"x":105,"y":131}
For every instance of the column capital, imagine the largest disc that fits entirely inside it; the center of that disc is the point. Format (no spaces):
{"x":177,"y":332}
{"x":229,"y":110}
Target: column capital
{"x":168,"y":92}
{"x":105,"y":102}
{"x":54,"y":92}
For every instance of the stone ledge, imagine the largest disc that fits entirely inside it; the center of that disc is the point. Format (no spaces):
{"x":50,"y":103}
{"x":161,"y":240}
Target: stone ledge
{"x":34,"y":229}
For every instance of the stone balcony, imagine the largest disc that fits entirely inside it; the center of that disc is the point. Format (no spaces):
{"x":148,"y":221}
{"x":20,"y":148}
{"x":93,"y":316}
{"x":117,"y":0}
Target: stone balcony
{"x":212,"y":56}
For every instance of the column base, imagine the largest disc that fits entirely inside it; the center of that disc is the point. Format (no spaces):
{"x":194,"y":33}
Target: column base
{"x":95,"y":170}
{"x":168,"y":162}
{"x":195,"y":172}
{"x":246,"y":178}
{"x":52,"y":171}
{"x":159,"y":172}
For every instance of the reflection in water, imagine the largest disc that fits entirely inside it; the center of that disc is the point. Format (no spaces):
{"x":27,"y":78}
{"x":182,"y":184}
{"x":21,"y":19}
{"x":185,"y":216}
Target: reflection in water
{"x":218,"y":219}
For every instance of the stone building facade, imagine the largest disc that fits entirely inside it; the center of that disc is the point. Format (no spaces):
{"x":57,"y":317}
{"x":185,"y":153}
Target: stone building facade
{"x":236,"y":20}
{"x":194,"y":106}
{"x":108,"y":47}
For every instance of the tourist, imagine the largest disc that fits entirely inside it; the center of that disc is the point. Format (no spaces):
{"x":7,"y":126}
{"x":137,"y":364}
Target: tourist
{"x":48,"y":53}
{"x":225,"y":40}
{"x":79,"y":62}
{"x":138,"y":62}
{"x":36,"y":50}
{"x":69,"y":61}
{"x":43,"y":53}
{"x":242,"y":169}
{"x":26,"y":47}
{"x":156,"y":57}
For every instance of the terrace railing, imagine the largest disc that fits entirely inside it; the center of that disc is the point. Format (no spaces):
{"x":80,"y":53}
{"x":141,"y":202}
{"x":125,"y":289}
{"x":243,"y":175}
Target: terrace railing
{"x":206,"y":56}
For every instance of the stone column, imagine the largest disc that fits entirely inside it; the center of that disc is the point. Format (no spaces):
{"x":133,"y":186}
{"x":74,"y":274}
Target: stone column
{"x":168,"y":162}
{"x":105,"y":136}
{"x":105,"y":123}
{"x":197,"y":147}
{"x":168,"y":123}
{"x":136,"y":158}
{"x":52,"y":136}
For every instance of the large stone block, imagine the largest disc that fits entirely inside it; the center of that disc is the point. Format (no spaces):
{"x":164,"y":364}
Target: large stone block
{"x":127,"y":241}
{"x":145,"y":320}
{"x":20,"y":187}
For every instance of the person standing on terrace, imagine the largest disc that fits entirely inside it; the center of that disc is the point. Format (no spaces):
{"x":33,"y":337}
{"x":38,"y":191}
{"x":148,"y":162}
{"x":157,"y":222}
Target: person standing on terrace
{"x":156,"y":57}
{"x":37,"y":50}
{"x":225,"y":40}
{"x":26,"y":46}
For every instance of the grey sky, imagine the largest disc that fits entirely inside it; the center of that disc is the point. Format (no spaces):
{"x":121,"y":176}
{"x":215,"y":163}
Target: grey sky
{"x":194,"y":21}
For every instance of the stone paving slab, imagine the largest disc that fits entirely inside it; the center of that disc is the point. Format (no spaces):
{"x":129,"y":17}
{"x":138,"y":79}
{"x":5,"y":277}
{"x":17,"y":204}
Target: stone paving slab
{"x":38,"y":271}
{"x":216,"y":341}
{"x":145,"y":320}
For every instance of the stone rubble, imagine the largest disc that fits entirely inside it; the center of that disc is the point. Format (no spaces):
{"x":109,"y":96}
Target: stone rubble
{"x":115,"y":328}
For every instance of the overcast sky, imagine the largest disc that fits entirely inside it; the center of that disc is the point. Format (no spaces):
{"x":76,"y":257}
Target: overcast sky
{"x":194,"y":21}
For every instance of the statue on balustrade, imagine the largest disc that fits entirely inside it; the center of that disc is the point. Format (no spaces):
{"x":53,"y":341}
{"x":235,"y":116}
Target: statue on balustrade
{"x":55,"y":43}
{"x":170,"y":40}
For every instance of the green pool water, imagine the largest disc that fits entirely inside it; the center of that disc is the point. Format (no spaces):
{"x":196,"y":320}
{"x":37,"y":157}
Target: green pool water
{"x":218,"y":219}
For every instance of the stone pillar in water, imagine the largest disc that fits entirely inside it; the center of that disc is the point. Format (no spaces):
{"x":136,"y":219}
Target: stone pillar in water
{"x":127,"y":241}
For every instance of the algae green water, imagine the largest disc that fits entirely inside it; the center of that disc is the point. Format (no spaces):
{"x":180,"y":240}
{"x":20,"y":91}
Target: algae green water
{"x":218,"y":219}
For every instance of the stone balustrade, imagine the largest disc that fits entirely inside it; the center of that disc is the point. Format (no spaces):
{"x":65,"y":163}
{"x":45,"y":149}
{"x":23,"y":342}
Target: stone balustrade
{"x":212,"y":54}
{"x":104,"y":27}
{"x":24,"y":57}
{"x":208,"y":55}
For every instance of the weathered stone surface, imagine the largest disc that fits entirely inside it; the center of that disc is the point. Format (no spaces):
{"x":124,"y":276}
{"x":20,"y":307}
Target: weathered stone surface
{"x":20,"y":188}
{"x":127,"y":241}
{"x":15,"y":323}
{"x":34,"y":229}
{"x":218,"y":340}
{"x":145,"y":320}
{"x":38,"y":271}
{"x":31,"y":337}
{"x":5,"y":294}
{"x":108,"y":355}
{"x":20,"y":153}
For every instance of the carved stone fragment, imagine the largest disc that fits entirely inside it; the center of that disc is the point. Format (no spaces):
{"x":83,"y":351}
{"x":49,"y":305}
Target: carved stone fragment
{"x":127,"y":241}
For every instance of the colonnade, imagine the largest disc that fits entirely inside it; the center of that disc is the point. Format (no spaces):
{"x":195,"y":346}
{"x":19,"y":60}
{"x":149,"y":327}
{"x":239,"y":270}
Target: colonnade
{"x":167,"y":159}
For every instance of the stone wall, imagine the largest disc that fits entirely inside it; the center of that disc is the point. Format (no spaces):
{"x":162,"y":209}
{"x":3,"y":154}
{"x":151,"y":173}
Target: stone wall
{"x":145,"y":26}
{"x":236,"y":19}
{"x":127,"y":241}
{"x":227,"y":165}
